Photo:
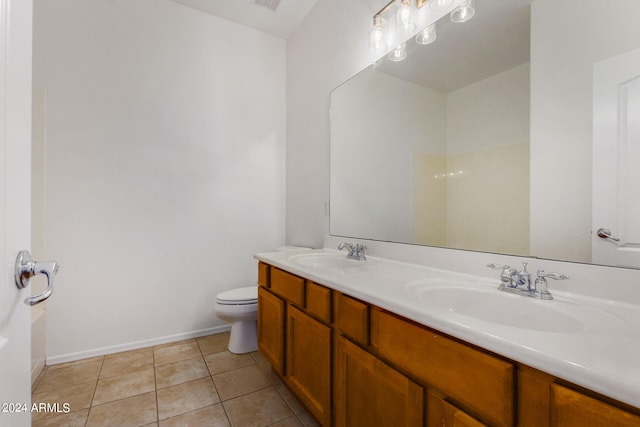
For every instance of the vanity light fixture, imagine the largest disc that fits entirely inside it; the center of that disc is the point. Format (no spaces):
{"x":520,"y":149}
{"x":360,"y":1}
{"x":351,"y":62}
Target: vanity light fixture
{"x":377,"y":37}
{"x":399,"y":53}
{"x":464,"y":12}
{"x":405,"y":18}
{"x":382,"y":36}
{"x":427,"y":36}
{"x":440,"y":4}
{"x":377,"y":33}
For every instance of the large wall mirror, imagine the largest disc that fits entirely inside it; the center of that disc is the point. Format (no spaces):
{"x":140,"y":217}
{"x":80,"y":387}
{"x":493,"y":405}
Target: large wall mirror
{"x":517,"y":132}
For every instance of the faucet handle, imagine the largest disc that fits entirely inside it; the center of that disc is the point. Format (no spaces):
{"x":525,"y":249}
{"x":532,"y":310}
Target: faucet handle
{"x":541,"y":288}
{"x":343,"y":245}
{"x":554,"y":276}
{"x":359,"y":251}
{"x":506,"y":277}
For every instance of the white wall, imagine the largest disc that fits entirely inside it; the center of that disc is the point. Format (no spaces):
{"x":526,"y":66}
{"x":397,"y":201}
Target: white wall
{"x":330,"y":46}
{"x":164,"y":167}
{"x":562,"y":58}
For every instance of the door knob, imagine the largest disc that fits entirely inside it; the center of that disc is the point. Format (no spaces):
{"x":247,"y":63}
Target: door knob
{"x":26,"y":268}
{"x":605,"y":233}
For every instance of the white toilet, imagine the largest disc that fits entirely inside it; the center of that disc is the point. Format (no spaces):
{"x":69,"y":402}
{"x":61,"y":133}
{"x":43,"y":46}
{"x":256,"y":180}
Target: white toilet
{"x":240,"y":308}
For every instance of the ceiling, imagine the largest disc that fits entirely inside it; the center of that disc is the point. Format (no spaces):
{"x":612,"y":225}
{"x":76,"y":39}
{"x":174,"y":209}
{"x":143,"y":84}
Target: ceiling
{"x":280,"y":23}
{"x":494,"y":40}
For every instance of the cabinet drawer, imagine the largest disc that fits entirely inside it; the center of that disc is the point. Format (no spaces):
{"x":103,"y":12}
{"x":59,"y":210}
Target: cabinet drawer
{"x":318,"y":302}
{"x":570,"y":408}
{"x":352,"y":318}
{"x":480,"y":382}
{"x":287,"y":285}
{"x":263,"y":274}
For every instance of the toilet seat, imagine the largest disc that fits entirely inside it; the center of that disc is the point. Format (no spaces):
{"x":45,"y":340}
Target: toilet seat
{"x":240,"y":296}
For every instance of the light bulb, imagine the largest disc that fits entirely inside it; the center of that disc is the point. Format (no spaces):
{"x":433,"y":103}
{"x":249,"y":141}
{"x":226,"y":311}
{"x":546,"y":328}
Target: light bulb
{"x":440,"y":4}
{"x":399,"y":53}
{"x":427,"y":36}
{"x":377,"y":39}
{"x":463,"y":13}
{"x":405,"y":18}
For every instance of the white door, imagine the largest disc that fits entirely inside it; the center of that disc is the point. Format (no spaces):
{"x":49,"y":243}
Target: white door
{"x":616,"y":161}
{"x":15,"y":194}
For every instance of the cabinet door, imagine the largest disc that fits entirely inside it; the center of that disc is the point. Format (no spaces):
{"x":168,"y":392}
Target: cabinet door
{"x":271,"y":329}
{"x":370,"y":393}
{"x":573,"y":409}
{"x":309,"y":363}
{"x":441,"y":413}
{"x":480,"y":382}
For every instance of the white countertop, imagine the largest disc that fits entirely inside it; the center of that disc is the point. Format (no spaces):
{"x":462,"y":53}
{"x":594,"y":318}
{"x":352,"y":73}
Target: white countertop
{"x":598,"y":347}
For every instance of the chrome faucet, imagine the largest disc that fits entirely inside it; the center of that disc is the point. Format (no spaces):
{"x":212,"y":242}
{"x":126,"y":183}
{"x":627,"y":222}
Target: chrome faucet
{"x":355,"y":251}
{"x":519,"y":282}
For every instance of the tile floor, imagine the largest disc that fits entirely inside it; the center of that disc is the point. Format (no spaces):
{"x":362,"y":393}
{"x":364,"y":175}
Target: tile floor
{"x":195,"y":382}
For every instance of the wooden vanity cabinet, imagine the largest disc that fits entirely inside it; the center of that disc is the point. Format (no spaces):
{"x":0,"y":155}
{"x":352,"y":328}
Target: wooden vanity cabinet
{"x":308,"y":362}
{"x":570,"y":408}
{"x":271,"y":321}
{"x":263,"y":274}
{"x":353,"y":364}
{"x":370,"y":393}
{"x":481,"y":382}
{"x":441,"y":413}
{"x":352,"y":318}
{"x":294,"y":339}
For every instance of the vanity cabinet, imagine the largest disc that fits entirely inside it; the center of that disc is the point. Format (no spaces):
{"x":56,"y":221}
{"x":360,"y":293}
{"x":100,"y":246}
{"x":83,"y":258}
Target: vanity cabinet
{"x":354,"y":364}
{"x":308,"y":362}
{"x":370,"y":393}
{"x":570,"y":408}
{"x":352,"y":318}
{"x":481,"y":382}
{"x":295,"y":337}
{"x":441,"y":413}
{"x":271,"y":329}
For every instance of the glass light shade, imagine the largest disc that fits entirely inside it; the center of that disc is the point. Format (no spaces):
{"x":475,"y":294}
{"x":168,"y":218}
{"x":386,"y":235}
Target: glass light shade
{"x":464,"y":12}
{"x":405,"y":18}
{"x":399,"y":53}
{"x":440,"y":4}
{"x":427,"y":36}
{"x":377,"y":37}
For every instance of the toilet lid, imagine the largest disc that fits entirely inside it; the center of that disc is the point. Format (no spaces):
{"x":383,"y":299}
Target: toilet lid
{"x":246,"y":295}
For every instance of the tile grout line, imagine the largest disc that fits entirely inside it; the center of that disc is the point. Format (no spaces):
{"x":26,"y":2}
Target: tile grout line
{"x":155,"y":384}
{"x":93,"y":395}
{"x":254,"y":360}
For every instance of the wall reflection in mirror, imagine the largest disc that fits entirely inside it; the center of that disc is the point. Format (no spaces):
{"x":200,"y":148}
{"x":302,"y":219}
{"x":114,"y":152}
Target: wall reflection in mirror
{"x":515,"y":133}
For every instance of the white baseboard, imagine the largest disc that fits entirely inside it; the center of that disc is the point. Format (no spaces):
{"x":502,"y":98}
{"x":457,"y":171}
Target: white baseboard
{"x":134,"y":345}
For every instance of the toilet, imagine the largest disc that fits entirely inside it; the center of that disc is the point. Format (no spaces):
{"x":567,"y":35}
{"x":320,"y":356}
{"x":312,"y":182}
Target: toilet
{"x":240,"y":308}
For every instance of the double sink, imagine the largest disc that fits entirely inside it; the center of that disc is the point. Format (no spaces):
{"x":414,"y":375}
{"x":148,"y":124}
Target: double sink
{"x":471,"y":300}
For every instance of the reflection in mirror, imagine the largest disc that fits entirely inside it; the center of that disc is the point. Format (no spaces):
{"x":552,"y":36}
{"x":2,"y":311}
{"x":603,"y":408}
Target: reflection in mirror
{"x":474,"y":143}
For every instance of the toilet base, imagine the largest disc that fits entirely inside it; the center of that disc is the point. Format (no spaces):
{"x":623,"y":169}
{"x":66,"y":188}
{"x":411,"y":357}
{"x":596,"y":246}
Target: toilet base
{"x":244,"y":337}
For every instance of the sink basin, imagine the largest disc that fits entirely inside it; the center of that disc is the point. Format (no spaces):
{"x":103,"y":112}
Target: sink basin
{"x":475,"y":300}
{"x":325,"y":260}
